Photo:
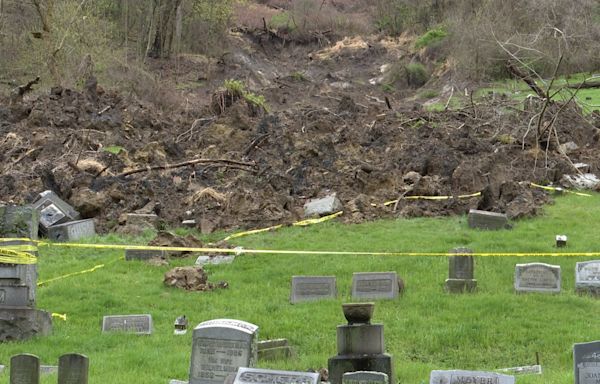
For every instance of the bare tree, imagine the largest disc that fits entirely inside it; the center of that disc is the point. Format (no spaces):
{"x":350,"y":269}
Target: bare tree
{"x":163,"y":20}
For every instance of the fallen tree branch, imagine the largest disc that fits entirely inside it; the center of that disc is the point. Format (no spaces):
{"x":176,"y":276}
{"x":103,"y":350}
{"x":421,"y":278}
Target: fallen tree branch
{"x":585,"y":85}
{"x":527,"y":79}
{"x":245,"y":166}
{"x":21,"y":90}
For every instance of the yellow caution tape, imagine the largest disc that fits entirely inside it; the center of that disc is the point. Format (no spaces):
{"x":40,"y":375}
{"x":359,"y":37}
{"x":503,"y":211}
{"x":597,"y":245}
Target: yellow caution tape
{"x":558,"y":189}
{"x":9,"y":256}
{"x":60,"y":316}
{"x":40,"y":283}
{"x":302,"y":223}
{"x":388,"y":203}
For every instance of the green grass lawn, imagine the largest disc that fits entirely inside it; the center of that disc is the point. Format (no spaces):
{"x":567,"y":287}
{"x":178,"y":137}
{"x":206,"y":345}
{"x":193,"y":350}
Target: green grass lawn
{"x":425,"y":329}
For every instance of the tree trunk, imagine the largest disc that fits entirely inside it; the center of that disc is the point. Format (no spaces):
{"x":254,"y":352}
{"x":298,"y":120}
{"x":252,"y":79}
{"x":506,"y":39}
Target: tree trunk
{"x":162,"y":28}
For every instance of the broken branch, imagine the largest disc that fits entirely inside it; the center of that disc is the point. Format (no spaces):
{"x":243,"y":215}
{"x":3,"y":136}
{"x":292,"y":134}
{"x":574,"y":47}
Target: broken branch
{"x":222,"y":162}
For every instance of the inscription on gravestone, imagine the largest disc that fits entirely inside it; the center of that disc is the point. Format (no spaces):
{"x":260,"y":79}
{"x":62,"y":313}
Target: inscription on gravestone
{"x":586,"y":360}
{"x":537,"y":277}
{"x":375,"y":285}
{"x":365,"y":377}
{"x":219,"y":348}
{"x":141,"y":324}
{"x":587,"y":277}
{"x":268,"y":376}
{"x":73,"y":369}
{"x":469,"y":377}
{"x":308,"y":288}
{"x":24,"y":369}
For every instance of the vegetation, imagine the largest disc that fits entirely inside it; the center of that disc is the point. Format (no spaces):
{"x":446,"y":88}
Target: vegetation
{"x":425,"y":328}
{"x":433,"y":36}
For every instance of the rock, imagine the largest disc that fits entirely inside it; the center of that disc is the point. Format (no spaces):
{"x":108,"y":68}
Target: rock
{"x":207,"y":226}
{"x":568,"y":147}
{"x":584,"y":181}
{"x":321,"y":207}
{"x":191,"y":279}
{"x":21,"y":324}
{"x":168,"y":239}
{"x":88,"y":203}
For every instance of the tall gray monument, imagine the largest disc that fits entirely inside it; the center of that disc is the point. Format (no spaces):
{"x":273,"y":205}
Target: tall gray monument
{"x":360,"y":345}
{"x":18,"y":317}
{"x":220,"y":347}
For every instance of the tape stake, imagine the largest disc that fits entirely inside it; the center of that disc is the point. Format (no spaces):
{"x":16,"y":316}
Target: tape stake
{"x":61,"y":316}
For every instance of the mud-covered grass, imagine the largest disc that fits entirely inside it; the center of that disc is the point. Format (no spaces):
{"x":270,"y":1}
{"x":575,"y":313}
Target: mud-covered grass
{"x":425,"y":329}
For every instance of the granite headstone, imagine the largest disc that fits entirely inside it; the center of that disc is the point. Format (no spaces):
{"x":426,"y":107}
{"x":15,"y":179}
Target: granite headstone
{"x":73,"y":230}
{"x":24,"y":369}
{"x":587,"y":277}
{"x":475,"y":377}
{"x":365,"y":377}
{"x":487,"y":220}
{"x":73,"y":369}
{"x":220,"y":347}
{"x":586,"y":361}
{"x":268,"y":376}
{"x":461,"y":271}
{"x":374,"y":285}
{"x":537,"y":277}
{"x":311,"y":288}
{"x":140,"y":324}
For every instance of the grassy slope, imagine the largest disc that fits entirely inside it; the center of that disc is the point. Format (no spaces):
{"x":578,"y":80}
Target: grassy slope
{"x":425,"y":329}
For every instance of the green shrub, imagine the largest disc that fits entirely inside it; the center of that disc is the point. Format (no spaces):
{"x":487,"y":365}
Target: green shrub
{"x":416,"y":74}
{"x":431,"y":37}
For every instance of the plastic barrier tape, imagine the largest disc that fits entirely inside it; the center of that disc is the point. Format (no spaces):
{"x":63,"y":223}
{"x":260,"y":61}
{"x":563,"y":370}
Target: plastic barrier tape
{"x":388,"y":203}
{"x":558,"y":189}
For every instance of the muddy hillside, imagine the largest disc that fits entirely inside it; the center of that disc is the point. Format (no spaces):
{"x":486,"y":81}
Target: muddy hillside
{"x":325,"y":126}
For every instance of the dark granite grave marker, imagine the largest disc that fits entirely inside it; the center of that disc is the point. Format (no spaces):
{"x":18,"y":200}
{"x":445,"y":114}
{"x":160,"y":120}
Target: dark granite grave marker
{"x":586,"y":361}
{"x":24,"y":369}
{"x":73,"y":369}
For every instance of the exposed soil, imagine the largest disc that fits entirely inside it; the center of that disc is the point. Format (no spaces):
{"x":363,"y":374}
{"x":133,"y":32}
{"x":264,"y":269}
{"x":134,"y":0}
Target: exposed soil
{"x":328,"y":129}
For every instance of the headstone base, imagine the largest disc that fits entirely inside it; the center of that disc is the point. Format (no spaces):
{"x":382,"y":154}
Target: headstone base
{"x":23,"y":323}
{"x":591,"y":291}
{"x":338,"y":365}
{"x":461,"y":285}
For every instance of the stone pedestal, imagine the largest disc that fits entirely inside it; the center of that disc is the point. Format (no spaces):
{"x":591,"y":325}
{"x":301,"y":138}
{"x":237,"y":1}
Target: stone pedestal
{"x":360,"y":347}
{"x":23,"y":323}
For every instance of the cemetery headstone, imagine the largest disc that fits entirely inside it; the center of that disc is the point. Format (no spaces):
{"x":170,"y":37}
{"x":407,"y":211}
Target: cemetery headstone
{"x":561,"y":241}
{"x":220,"y":347}
{"x":365,"y":377}
{"x":487,"y":220}
{"x":73,"y":230}
{"x":586,"y":361}
{"x":277,"y":349}
{"x":537,"y":277}
{"x":173,"y":381}
{"x":215,"y":259}
{"x":461,"y":377}
{"x":24,"y":369}
{"x":47,"y":198}
{"x":268,"y":376}
{"x":360,"y":345}
{"x":461,"y":272}
{"x":140,"y":324}
{"x":20,"y":320}
{"x":524,"y":370}
{"x":587,"y":277}
{"x":73,"y":369}
{"x":374,"y":285}
{"x":143,"y":254}
{"x":311,"y":288}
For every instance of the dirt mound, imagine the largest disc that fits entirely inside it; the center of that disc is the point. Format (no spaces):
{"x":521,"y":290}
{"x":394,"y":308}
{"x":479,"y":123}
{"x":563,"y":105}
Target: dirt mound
{"x":107,"y":154}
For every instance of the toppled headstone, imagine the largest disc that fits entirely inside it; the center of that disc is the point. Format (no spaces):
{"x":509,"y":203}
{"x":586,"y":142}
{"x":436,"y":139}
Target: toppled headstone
{"x":537,"y":277}
{"x":53,"y":210}
{"x":487,"y":220}
{"x":215,"y":259}
{"x":269,"y":376}
{"x":73,"y":368}
{"x":140,"y":324}
{"x":278,"y":349}
{"x":587,"y":277}
{"x":72,"y":231}
{"x":459,"y":377}
{"x":375,"y":285}
{"x":219,"y":348}
{"x":586,"y":362}
{"x":310,"y":288}
{"x":191,"y":278}
{"x":321,"y":207}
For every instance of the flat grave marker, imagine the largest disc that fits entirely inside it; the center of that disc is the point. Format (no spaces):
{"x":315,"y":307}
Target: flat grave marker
{"x":140,"y":324}
{"x":219,"y":348}
{"x":537,"y":277}
{"x":374,"y":285}
{"x":311,"y":288}
{"x":269,"y":376}
{"x":475,"y":377}
{"x":365,"y":377}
